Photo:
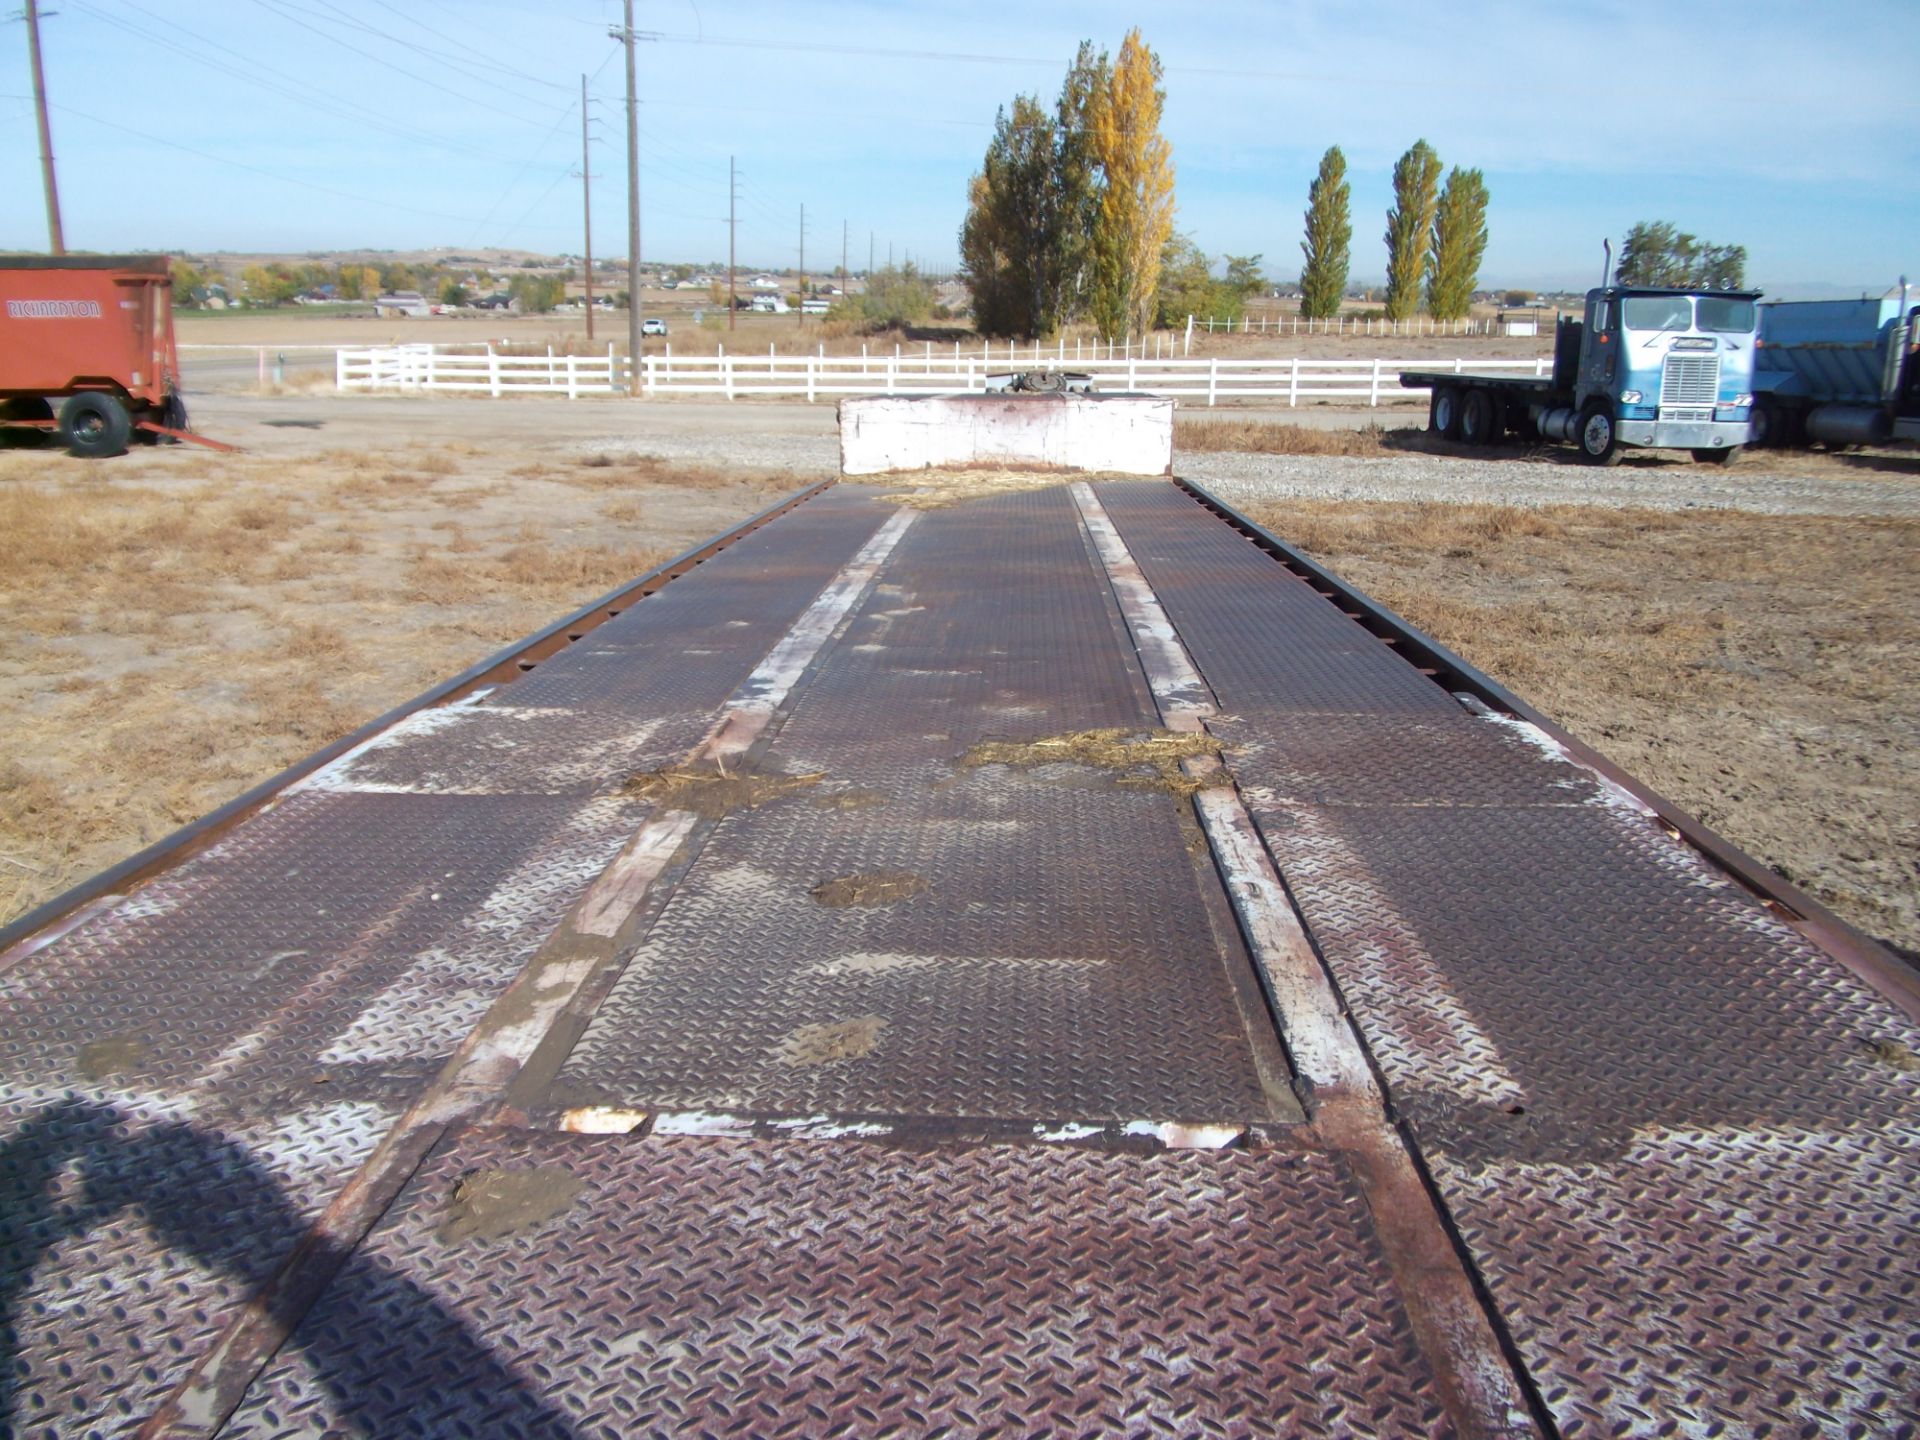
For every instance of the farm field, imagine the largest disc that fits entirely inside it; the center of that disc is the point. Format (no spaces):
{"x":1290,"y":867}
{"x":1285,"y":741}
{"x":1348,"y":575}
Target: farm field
{"x":182,"y":624}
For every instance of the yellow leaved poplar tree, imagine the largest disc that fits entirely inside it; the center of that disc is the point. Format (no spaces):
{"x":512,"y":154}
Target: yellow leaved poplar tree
{"x":1136,"y":198}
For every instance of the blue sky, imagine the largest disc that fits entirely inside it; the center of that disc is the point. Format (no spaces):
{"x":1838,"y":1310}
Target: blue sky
{"x":322,"y":124}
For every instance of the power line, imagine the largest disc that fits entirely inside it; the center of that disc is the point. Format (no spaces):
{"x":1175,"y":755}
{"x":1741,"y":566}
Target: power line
{"x":320,"y":100}
{"x":153,"y":139}
{"x":273,"y":8}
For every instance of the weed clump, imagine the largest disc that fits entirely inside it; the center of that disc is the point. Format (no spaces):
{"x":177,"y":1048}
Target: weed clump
{"x":713,"y":792}
{"x":1147,"y":759}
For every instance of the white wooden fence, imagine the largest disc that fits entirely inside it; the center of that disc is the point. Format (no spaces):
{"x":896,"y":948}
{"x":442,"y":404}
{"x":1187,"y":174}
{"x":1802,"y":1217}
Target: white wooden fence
{"x":926,"y":371}
{"x":1341,"y":325}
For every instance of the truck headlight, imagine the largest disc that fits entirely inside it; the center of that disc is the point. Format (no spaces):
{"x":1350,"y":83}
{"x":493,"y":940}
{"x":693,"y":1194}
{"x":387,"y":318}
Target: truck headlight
{"x":1630,"y":397}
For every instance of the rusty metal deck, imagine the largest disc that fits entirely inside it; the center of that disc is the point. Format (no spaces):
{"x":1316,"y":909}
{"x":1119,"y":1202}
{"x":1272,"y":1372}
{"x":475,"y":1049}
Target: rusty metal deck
{"x":1412,"y":1077}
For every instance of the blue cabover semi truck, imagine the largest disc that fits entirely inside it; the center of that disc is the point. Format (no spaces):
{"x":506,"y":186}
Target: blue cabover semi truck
{"x":1645,"y":368}
{"x":1838,"y":372}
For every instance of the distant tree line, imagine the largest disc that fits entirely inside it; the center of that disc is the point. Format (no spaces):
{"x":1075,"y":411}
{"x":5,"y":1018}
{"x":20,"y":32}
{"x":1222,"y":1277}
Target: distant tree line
{"x":280,"y":282}
{"x":1071,"y":214}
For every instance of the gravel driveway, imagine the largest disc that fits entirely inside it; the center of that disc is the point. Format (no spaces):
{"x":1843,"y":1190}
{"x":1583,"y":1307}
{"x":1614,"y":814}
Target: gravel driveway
{"x":1657,"y":484}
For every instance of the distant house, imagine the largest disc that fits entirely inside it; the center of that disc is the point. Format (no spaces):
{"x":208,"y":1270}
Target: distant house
{"x":401,"y":304}
{"x":763,"y":282}
{"x":770,"y":305}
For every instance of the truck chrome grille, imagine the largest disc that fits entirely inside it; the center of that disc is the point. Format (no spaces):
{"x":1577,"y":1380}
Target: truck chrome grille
{"x":1690,"y":380}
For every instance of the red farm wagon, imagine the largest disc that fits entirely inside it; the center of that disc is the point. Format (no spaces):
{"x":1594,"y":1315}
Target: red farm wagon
{"x":87,"y":350}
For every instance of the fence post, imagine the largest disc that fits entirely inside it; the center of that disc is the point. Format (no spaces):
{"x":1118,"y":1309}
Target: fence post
{"x":726,"y":372}
{"x":613,"y":370}
{"x":1293,"y":384}
{"x":493,"y":372}
{"x":810,"y":378}
{"x":573,"y":377}
{"x":339,"y":369}
{"x":1213,"y":376}
{"x":1373,"y":397}
{"x":892,"y":361}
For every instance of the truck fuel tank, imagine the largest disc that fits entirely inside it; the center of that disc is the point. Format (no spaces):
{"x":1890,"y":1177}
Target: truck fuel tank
{"x":1849,"y":425}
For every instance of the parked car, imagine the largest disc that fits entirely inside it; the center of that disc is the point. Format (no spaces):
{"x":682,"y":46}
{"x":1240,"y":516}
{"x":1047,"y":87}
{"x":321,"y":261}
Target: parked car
{"x":653,"y":325}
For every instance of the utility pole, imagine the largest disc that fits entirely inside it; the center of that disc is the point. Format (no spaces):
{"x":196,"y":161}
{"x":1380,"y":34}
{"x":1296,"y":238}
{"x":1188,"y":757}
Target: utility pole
{"x":843,"y":259}
{"x":869,"y":255}
{"x":634,"y":351}
{"x":586,"y":202}
{"x":55,"y":240}
{"x":803,"y":263}
{"x":733,"y":197}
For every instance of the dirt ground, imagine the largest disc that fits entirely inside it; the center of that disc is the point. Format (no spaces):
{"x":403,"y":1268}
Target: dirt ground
{"x":1762,"y":671}
{"x":180,"y":625}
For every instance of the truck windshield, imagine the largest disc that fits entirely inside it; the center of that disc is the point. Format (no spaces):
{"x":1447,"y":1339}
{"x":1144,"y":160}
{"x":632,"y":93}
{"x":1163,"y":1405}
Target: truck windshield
{"x":1657,"y":312}
{"x":1724,"y":314}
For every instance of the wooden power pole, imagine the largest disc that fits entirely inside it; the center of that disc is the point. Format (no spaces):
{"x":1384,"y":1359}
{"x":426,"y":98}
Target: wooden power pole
{"x":733,"y":196}
{"x":56,"y":241}
{"x":633,"y":211}
{"x":586,"y":202}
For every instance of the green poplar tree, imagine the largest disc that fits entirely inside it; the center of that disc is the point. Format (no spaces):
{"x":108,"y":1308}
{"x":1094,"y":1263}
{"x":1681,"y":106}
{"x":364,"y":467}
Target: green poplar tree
{"x":1416,"y":195}
{"x":1329,"y":243}
{"x":1459,"y":244}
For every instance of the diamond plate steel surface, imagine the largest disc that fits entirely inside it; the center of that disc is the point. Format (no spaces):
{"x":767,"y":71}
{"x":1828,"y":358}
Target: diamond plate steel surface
{"x":252,"y":967}
{"x":1265,"y":639}
{"x":682,"y":650}
{"x":721,"y":1287}
{"x":514,"y":750}
{"x":130,"y":1227}
{"x":1393,"y":759}
{"x":1656,"y":1112}
{"x":1060,"y":957}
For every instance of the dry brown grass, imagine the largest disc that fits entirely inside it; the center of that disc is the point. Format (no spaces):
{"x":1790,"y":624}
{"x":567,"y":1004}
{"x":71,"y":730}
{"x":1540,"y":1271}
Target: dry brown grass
{"x":1270,"y":437}
{"x":1761,"y":671}
{"x":609,"y":470}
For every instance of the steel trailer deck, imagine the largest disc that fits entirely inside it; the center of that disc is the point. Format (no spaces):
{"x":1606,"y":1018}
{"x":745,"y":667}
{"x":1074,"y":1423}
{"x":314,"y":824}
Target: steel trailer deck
{"x":777,"y":1000}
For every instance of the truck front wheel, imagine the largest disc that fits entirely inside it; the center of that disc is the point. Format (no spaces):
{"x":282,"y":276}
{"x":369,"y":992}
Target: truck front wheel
{"x":1443,"y":415}
{"x":95,"y":426}
{"x":1599,"y":440}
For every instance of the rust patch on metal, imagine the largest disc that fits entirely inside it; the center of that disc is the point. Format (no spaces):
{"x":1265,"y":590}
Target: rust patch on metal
{"x":1892,"y":1052}
{"x":711,"y":791}
{"x":494,"y":1204}
{"x":112,"y":1055}
{"x":876,"y":887}
{"x":831,"y":1043}
{"x":1148,"y":759}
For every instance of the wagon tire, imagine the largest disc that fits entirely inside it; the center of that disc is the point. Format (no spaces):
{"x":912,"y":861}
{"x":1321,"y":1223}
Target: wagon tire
{"x":95,"y":426}
{"x":1598,"y":436}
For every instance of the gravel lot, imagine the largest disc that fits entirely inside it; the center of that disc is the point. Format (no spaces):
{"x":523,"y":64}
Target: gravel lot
{"x":1651,"y":485}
